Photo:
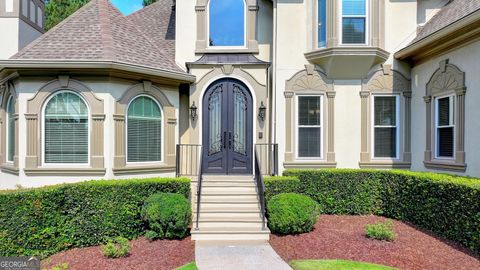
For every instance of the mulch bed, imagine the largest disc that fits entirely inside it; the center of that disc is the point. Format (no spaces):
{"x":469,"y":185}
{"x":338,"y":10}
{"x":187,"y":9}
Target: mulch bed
{"x":343,"y":237}
{"x":160,"y":254}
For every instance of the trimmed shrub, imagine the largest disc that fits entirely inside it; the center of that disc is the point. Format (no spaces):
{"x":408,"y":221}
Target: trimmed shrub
{"x":168,"y":215}
{"x":275,"y":185}
{"x":291,"y":213}
{"x":43,"y":221}
{"x":381,"y":231}
{"x":444,"y":204}
{"x":116,"y":248}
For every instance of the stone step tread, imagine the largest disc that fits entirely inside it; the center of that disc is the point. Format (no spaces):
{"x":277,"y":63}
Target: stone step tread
{"x":233,"y":209}
{"x":214,"y":230}
{"x":239,"y":220}
{"x":228,"y":185}
{"x":227,"y":192}
{"x":227,"y":177}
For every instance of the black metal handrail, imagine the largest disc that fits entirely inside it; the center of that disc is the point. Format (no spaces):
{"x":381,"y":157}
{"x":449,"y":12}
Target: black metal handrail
{"x":199,"y":187}
{"x":261,"y":188}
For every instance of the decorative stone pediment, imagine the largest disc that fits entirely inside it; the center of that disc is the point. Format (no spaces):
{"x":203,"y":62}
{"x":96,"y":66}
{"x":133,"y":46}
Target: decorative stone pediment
{"x":386,"y":80}
{"x":447,"y":78}
{"x":309,"y":79}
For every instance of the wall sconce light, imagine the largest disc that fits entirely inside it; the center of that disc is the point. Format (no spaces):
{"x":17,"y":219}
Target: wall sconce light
{"x":193,"y":111}
{"x":262,"y":111}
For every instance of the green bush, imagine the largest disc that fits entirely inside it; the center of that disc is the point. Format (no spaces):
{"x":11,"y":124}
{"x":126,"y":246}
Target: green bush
{"x":291,"y":213}
{"x":116,"y":248}
{"x":444,"y":204}
{"x":168,"y":215}
{"x":43,"y":221}
{"x":381,"y":231}
{"x":275,"y":185}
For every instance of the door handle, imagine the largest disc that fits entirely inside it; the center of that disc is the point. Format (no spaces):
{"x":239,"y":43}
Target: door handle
{"x":229,"y":140}
{"x":225,"y":139}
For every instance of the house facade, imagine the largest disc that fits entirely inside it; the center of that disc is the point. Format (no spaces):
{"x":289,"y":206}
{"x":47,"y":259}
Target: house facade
{"x":214,"y":86}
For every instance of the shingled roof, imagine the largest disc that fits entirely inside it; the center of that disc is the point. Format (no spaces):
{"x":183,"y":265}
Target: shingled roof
{"x":452,"y":12}
{"x":99,"y":32}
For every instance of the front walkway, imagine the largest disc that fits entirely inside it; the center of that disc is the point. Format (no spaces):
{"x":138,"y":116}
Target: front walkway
{"x":237,"y":255}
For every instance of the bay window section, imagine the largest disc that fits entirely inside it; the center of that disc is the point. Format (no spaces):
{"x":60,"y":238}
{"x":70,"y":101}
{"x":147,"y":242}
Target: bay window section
{"x":322,"y":23}
{"x":10,"y":129}
{"x":144,"y":131}
{"x":354,"y":21}
{"x":386,"y":127}
{"x":445,"y":127}
{"x":309,"y":124}
{"x":66,"y":131}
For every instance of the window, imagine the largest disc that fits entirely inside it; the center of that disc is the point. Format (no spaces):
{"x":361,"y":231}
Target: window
{"x":39,"y":17}
{"x":445,"y":127}
{"x":25,"y":8}
{"x":11,"y":129}
{"x":66,"y":129}
{"x":309,"y":127}
{"x":227,"y":23}
{"x":32,"y":11}
{"x":322,"y":23}
{"x":386,"y":131}
{"x":354,"y":19}
{"x":144,"y":130}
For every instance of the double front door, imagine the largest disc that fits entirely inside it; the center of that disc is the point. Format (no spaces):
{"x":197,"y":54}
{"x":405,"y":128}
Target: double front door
{"x":227,"y":128}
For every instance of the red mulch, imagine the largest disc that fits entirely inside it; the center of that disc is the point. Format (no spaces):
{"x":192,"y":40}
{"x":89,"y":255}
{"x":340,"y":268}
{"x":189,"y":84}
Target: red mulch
{"x":159,"y":254}
{"x":343,"y":237}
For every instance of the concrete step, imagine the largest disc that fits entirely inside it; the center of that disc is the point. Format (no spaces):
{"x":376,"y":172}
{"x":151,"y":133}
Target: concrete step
{"x":227,"y":215}
{"x":229,"y":190}
{"x":217,"y":199}
{"x":228,"y":207}
{"x":233,"y":223}
{"x":228,"y":184}
{"x":212,"y":177}
{"x":227,"y":234}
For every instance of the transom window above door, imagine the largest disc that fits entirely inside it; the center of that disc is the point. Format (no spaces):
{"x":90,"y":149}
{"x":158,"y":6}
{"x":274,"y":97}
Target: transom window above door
{"x":226,"y":23}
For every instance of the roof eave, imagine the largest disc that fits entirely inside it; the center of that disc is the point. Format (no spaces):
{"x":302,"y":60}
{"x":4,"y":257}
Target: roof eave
{"x":417,"y":47}
{"x":181,"y":77}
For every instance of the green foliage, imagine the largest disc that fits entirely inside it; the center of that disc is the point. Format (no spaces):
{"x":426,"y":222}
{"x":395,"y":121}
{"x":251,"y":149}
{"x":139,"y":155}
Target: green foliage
{"x":62,"y":266}
{"x":148,"y":2}
{"x":444,"y":204}
{"x":188,"y":266}
{"x":292,"y":213}
{"x":151,"y":235}
{"x":275,"y":185}
{"x":381,"y":231}
{"x":43,"y":221}
{"x":335,"y":265}
{"x":168,"y":215}
{"x":58,"y":10}
{"x":116,"y":247}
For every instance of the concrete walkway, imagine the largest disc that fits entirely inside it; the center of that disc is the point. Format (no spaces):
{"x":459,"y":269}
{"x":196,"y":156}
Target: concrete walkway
{"x":237,"y":255}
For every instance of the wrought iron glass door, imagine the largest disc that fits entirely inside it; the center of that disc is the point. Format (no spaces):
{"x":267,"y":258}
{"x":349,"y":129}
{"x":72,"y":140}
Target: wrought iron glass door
{"x":227,"y":128}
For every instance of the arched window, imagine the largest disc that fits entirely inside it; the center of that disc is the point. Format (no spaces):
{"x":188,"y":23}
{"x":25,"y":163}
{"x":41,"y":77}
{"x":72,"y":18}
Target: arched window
{"x":66,"y":129}
{"x":10,"y":129}
{"x":144,"y":130}
{"x":227,"y":22}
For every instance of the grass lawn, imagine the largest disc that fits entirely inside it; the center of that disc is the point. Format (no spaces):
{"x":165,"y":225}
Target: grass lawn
{"x":335,"y":265}
{"x":188,"y":266}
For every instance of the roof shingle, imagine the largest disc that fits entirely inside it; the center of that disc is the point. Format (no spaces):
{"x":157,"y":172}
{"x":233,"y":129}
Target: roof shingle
{"x":99,"y":32}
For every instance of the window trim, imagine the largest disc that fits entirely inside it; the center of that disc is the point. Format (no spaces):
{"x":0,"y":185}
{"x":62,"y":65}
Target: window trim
{"x":451,"y":98}
{"x":43,"y":116}
{"x":7,"y":132}
{"x":367,"y":25}
{"x":245,"y":42}
{"x":397,"y":126}
{"x":321,"y":126}
{"x":162,"y":136}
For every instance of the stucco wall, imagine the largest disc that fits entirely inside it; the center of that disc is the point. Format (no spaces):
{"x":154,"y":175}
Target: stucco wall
{"x":107,"y":89}
{"x":465,"y":58}
{"x":9,"y":33}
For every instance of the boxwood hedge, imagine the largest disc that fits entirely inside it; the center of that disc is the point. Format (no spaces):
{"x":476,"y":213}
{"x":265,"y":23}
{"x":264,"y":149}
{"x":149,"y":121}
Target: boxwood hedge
{"x":444,"y":204}
{"x":43,"y":221}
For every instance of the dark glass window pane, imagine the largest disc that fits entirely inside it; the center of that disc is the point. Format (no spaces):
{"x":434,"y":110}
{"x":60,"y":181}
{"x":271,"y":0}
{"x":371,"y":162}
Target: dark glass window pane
{"x":309,"y":142}
{"x":444,"y":112}
{"x":11,"y":129}
{"x":322,"y":23}
{"x":386,"y":142}
{"x":227,"y":22}
{"x":354,"y":7}
{"x":308,"y":111}
{"x":353,"y":31}
{"x":445,"y":142}
{"x":385,"y":111}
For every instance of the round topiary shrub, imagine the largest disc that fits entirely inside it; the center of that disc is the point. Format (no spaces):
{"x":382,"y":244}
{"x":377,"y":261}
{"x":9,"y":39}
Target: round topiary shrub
{"x":290,"y":213}
{"x":167,"y":215}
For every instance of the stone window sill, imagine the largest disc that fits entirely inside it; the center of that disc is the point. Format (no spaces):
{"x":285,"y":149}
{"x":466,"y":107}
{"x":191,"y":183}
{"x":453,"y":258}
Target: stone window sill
{"x":445,"y":165}
{"x":65,"y":172}
{"x":385,"y":165}
{"x":143,"y":169}
{"x":306,"y":165}
{"x":9,"y":168}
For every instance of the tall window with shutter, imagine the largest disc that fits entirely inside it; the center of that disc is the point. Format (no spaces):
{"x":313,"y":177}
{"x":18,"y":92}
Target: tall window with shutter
{"x":144,"y":130}
{"x":66,"y":129}
{"x":309,"y":125}
{"x":354,"y":21}
{"x":445,"y":127}
{"x":386,"y":126}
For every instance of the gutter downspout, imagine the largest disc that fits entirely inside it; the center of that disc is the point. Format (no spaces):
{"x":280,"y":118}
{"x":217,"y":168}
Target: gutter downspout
{"x":274,"y":72}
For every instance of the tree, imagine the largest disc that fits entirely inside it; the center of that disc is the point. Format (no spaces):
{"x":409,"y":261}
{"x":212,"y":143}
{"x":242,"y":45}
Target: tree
{"x":58,"y":10}
{"x":148,"y":2}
